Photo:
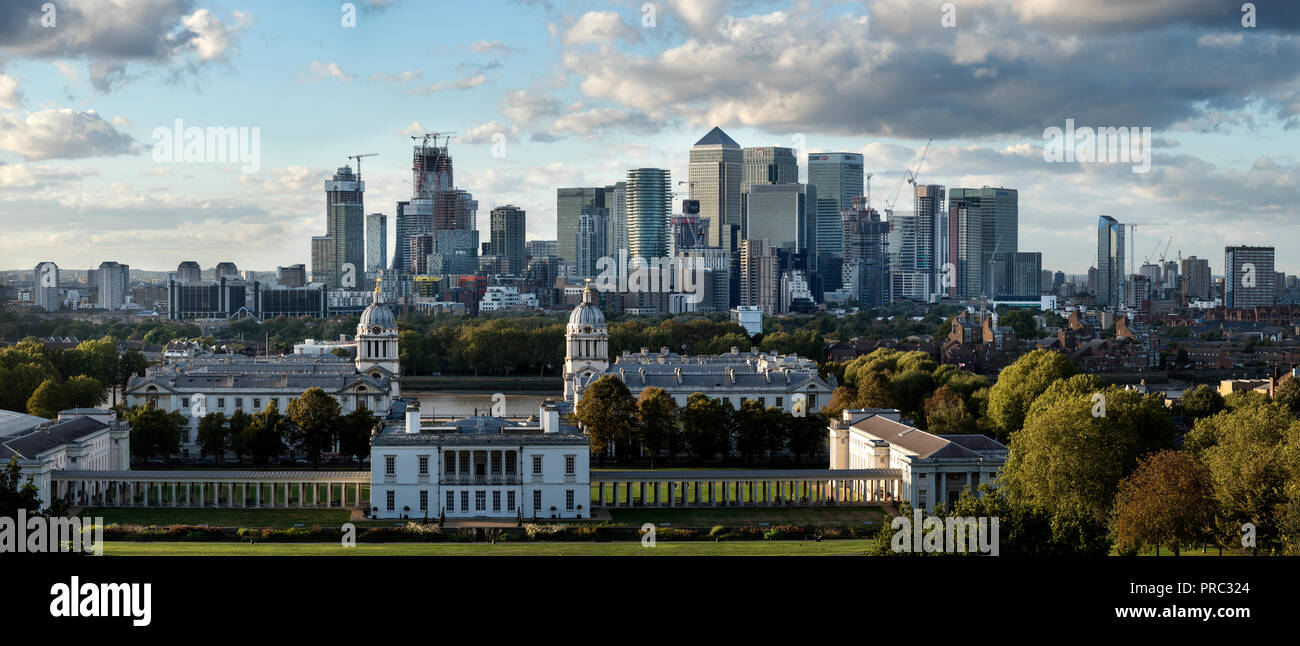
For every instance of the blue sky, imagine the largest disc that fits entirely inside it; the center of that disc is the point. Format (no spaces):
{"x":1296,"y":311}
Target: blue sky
{"x":582,"y":91}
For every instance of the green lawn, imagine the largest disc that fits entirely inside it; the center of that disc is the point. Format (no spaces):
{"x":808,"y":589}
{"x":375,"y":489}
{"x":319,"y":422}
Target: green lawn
{"x":662,"y":548}
{"x":220,"y":517}
{"x":749,"y":516}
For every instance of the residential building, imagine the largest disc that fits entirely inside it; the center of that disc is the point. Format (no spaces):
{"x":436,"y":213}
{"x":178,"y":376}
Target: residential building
{"x":649,"y":206}
{"x":569,"y":203}
{"x":1249,"y":279}
{"x":508,"y":231}
{"x":1110,"y":261}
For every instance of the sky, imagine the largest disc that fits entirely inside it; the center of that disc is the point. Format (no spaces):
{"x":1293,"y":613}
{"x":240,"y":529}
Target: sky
{"x":548,"y":94}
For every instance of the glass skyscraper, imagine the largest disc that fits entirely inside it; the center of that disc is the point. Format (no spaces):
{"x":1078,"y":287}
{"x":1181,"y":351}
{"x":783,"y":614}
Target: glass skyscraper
{"x":838,"y":178}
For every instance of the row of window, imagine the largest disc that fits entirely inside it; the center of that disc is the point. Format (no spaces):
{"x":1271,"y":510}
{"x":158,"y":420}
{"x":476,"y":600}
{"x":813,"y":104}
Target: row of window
{"x":480,"y":500}
{"x":390,"y":464}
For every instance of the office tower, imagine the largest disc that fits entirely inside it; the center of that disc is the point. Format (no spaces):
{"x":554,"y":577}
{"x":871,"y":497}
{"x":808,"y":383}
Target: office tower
{"x":1016,"y":276}
{"x":689,"y":230}
{"x":414,"y":216}
{"x":506,"y":226}
{"x":569,"y":203}
{"x":455,"y":252}
{"x":1248,"y":277}
{"x":376,"y":242}
{"x":759,"y":276}
{"x":616,"y":202}
{"x":339,"y":256}
{"x":1170,"y":274}
{"x":1196,"y":279}
{"x":649,"y":206}
{"x":714,"y":177}
{"x":838,"y":178}
{"x":931,"y":232}
{"x":227,"y":269}
{"x":454,"y":209}
{"x":1154,"y":280}
{"x":542,"y":248}
{"x":1092,"y":281}
{"x":981,"y":222}
{"x":1045,"y":283}
{"x":1110,"y":261}
{"x":716,"y":263}
{"x":772,"y":165}
{"x":906,"y":281}
{"x":112,"y":280}
{"x":292,"y":276}
{"x":45,"y":287}
{"x":865,"y":269}
{"x":785,"y":215}
{"x":421,"y":248}
{"x":431,"y":177}
{"x":592,"y":241}
{"x":189,"y":271}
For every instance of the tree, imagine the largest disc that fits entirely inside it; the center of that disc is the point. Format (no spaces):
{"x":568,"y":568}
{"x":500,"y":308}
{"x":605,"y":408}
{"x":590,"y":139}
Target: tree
{"x":354,"y":433}
{"x":131,"y":364}
{"x":945,"y":413}
{"x":314,"y":416}
{"x":1027,"y":530}
{"x":1288,"y":395}
{"x":214,"y":437}
{"x":16,"y":494}
{"x":608,"y":411}
{"x":1168,"y":499}
{"x":264,"y":437}
{"x":83,"y":391}
{"x":1020,"y":383}
{"x":807,"y":435}
{"x":1080,"y":439}
{"x":704,"y":427}
{"x":658,"y":426}
{"x":239,"y":421}
{"x":875,"y":391}
{"x":155,"y":433}
{"x":48,"y":400}
{"x":750,"y":428}
{"x":1201,"y":401}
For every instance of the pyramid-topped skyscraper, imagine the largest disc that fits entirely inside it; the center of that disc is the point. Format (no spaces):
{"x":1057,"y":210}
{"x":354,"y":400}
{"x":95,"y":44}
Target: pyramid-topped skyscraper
{"x":714,"y":176}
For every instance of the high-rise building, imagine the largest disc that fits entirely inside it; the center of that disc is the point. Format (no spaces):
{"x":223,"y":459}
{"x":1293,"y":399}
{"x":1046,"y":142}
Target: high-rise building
{"x":714,"y":177}
{"x":226,"y":270}
{"x":292,"y":276}
{"x":1110,"y":261}
{"x":769,"y":165}
{"x":866,"y":253}
{"x":759,"y":276}
{"x":507,"y":231}
{"x":906,"y":280}
{"x":376,"y":242}
{"x":189,"y":271}
{"x":434,"y":204}
{"x":45,"y":287}
{"x":569,"y":203}
{"x":421,"y":249}
{"x":338,"y":257}
{"x":454,"y":209}
{"x":785,"y":215}
{"x":112,"y":281}
{"x":1248,"y":277}
{"x":542,"y":248}
{"x":649,"y":207}
{"x":616,"y":202}
{"x":838,"y":178}
{"x":1196,"y":278}
{"x":1016,"y":276}
{"x":931,"y":232}
{"x":592,"y":239}
{"x":981,"y":222}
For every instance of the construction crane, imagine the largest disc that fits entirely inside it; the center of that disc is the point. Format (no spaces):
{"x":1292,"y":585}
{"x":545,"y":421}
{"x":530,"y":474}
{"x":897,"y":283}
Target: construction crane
{"x":1132,"y":229}
{"x":358,"y":158}
{"x":909,"y":177}
{"x":869,"y":176}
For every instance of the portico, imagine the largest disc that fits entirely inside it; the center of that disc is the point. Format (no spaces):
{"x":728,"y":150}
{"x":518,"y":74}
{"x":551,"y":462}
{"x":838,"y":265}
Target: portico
{"x":732,"y":487}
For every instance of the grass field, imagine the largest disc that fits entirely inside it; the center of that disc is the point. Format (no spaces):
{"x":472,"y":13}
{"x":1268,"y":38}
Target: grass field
{"x":749,"y":516}
{"x":726,"y":548}
{"x":221,"y":517}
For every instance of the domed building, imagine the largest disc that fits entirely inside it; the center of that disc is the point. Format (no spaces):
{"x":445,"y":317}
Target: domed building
{"x":586,"y":344}
{"x":377,"y":344}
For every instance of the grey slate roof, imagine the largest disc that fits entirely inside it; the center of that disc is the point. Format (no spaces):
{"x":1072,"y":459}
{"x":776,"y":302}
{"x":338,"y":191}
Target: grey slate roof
{"x":14,"y":423}
{"x":33,"y":444}
{"x":925,"y":445}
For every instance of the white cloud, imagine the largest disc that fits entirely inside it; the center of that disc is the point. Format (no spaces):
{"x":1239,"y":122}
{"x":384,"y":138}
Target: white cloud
{"x":10,"y":97}
{"x":599,"y":27}
{"x":466,"y":83}
{"x":318,"y":71}
{"x":525,"y":107}
{"x":63,"y":133}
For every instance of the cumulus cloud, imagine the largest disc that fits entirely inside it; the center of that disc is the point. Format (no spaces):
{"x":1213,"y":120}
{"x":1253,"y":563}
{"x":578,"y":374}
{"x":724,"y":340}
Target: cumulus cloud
{"x":318,"y":71}
{"x":10,"y":97}
{"x":599,"y":27}
{"x":525,"y":106}
{"x":484,"y":133}
{"x":491,"y":46}
{"x":63,"y":134}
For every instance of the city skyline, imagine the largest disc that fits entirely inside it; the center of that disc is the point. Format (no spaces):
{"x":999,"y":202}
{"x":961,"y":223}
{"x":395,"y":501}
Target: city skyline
{"x":568,"y":95}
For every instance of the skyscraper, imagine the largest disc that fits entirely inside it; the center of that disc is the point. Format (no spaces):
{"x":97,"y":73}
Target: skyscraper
{"x":759,"y":276}
{"x":507,"y":231}
{"x":376,"y":242}
{"x":838,"y":178}
{"x":431,"y":176}
{"x":616,"y":202}
{"x":785,"y":215}
{"x":931,"y":232}
{"x":1196,"y":278}
{"x":1248,"y":277}
{"x":769,"y":165}
{"x":188,"y":271}
{"x":569,"y":203}
{"x":714,"y":176}
{"x":112,"y":280}
{"x":45,"y":287}
{"x":649,"y":207}
{"x":339,"y":256}
{"x":592,"y":239}
{"x":865,"y":268}
{"x":981,"y":222}
{"x":1110,"y":261}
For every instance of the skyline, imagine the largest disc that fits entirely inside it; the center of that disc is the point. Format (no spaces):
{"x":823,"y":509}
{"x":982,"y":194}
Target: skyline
{"x":592,"y":84}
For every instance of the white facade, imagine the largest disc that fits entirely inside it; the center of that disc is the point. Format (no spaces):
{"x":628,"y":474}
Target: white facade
{"x":586,"y":343}
{"x":80,"y":440}
{"x":499,"y":297}
{"x":749,"y":317}
{"x":481,"y":467}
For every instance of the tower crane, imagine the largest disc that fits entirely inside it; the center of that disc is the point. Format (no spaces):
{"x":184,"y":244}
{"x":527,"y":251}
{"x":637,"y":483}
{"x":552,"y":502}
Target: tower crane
{"x":358,"y":158}
{"x":909,"y":177}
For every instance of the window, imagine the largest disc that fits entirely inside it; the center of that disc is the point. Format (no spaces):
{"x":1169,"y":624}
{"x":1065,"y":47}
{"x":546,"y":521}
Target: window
{"x":480,"y":500}
{"x":221,"y":402}
{"x":257,"y":403}
{"x":568,"y":500}
{"x":537,"y":501}
{"x":464,"y":501}
{"x":762,"y":401}
{"x":537,"y":465}
{"x":510,"y":463}
{"x":451,"y":501}
{"x":424,"y":465}
{"x":239,"y":403}
{"x":568,"y":465}
{"x":449,"y":463}
{"x":424,"y":501}
{"x":496,"y":501}
{"x":496,"y":462}
{"x":780,"y":401}
{"x":510,"y":501}
{"x":390,"y":465}
{"x":391,"y":499}
{"x":185,"y":402}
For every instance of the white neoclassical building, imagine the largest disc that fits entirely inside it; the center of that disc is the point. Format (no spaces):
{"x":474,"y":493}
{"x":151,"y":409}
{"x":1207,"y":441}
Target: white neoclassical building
{"x":480,"y":467}
{"x":933,"y":469}
{"x":81,"y":439}
{"x":586,"y":343}
{"x":203,"y":384}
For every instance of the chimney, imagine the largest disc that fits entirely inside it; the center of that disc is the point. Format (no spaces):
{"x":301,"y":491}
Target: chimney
{"x":412,"y":416}
{"x":550,"y":417}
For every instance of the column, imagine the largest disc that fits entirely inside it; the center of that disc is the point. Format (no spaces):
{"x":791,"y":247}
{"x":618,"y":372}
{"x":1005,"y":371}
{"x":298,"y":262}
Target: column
{"x":300,"y":495}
